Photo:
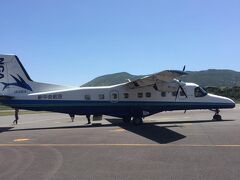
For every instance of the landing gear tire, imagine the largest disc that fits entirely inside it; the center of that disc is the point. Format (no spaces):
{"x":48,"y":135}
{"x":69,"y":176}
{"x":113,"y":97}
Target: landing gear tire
{"x":137,"y":121}
{"x":127,"y":119}
{"x":217,"y":117}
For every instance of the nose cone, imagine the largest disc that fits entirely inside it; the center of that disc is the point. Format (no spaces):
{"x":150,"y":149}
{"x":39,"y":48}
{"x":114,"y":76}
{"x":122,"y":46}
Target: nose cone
{"x":224,"y":102}
{"x":231,"y":103}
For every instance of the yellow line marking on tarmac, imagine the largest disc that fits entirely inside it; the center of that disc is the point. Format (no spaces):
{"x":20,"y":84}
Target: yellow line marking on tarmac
{"x":120,"y":145}
{"x":21,"y":140}
{"x":118,"y":130}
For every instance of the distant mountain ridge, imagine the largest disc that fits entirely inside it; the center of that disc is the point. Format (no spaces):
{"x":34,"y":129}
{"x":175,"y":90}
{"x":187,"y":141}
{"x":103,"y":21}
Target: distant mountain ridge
{"x":211,"y":77}
{"x":214,"y":77}
{"x":112,"y":79}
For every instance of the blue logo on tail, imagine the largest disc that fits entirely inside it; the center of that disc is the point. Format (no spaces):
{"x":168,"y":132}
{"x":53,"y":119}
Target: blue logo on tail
{"x":19,"y":83}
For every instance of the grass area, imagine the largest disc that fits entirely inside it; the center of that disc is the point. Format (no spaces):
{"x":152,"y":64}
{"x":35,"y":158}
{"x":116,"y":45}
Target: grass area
{"x":11,"y":113}
{"x":8,"y":111}
{"x":237,"y":101}
{"x":4,"y":107}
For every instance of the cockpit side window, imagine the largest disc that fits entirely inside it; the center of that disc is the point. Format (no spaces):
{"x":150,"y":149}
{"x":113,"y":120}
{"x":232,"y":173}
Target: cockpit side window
{"x":199,"y":92}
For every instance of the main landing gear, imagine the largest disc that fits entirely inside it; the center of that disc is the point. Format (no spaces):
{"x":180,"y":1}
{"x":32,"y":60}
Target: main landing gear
{"x":127,"y":119}
{"x":135,"y":120}
{"x":216,"y":116}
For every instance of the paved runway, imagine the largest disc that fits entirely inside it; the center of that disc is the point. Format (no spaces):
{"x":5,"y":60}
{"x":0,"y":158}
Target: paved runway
{"x":170,"y":145}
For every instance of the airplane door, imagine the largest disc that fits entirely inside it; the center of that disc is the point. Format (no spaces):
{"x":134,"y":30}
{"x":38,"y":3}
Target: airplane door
{"x":114,"y":96}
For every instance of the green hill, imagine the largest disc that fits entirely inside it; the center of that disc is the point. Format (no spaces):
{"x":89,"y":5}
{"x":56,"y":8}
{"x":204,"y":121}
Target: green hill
{"x":211,"y":77}
{"x":111,"y":79}
{"x":214,"y":77}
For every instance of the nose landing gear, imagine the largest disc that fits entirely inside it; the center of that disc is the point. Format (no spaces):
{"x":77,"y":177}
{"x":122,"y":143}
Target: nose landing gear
{"x":216,"y":116}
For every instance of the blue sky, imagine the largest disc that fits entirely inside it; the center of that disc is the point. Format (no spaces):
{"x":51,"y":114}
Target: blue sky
{"x":71,"y":42}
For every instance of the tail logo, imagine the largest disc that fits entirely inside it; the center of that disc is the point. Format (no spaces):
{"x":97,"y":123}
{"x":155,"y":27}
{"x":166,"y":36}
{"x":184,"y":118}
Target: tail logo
{"x":1,"y":68}
{"x":19,"y":83}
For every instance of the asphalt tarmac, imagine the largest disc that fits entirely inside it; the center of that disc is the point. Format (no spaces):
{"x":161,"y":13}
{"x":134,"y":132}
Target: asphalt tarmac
{"x":170,"y":145}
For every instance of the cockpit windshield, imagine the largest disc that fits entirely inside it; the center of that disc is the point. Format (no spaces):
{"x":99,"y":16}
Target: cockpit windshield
{"x":199,"y":92}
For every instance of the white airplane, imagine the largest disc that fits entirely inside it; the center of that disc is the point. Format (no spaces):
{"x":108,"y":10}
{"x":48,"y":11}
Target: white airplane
{"x":131,"y":101}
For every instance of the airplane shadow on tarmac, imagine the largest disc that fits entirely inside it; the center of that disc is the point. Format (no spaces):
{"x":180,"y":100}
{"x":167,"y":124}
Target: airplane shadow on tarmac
{"x":4,"y":129}
{"x":149,"y":130}
{"x":159,"y":134}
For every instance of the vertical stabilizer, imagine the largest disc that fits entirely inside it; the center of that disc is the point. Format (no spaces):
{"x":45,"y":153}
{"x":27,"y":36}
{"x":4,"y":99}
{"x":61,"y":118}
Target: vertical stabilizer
{"x":15,"y":81}
{"x":13,"y":76}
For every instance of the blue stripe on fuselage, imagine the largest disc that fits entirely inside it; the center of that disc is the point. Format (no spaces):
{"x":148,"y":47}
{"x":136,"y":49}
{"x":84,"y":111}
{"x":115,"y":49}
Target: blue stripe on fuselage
{"x":109,"y":108}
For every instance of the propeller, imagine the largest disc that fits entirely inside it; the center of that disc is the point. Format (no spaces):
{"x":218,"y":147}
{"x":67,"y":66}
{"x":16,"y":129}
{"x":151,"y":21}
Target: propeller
{"x":184,"y":67}
{"x":180,"y":86}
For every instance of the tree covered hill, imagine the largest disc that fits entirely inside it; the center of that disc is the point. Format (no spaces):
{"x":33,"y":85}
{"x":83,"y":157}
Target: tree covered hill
{"x":214,"y":77}
{"x":211,"y":77}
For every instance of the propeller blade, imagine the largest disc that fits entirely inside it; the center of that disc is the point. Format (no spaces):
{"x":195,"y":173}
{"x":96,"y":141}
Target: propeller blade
{"x":183,"y":91}
{"x":177,"y":92}
{"x":184,"y":67}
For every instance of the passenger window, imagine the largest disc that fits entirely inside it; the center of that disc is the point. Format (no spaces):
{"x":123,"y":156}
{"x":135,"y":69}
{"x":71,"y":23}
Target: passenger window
{"x":87,"y":97}
{"x":174,"y":93}
{"x":140,"y":95}
{"x":101,"y":96}
{"x":148,"y":94}
{"x":114,"y":96}
{"x":126,"y":95}
{"x":163,"y":94}
{"x":199,"y":92}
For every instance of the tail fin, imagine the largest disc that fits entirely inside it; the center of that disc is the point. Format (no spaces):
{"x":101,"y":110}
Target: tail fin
{"x":15,"y":81}
{"x":12,"y":75}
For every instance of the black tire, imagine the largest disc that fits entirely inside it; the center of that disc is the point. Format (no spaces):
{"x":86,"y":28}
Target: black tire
{"x":217,"y":117}
{"x":137,"y":121}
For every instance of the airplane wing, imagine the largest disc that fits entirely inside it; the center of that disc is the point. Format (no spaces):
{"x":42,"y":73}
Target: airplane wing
{"x":157,"y":78}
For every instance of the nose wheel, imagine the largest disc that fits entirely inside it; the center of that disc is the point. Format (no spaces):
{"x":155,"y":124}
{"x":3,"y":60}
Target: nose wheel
{"x":217,"y":116}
